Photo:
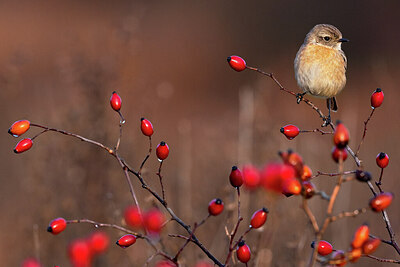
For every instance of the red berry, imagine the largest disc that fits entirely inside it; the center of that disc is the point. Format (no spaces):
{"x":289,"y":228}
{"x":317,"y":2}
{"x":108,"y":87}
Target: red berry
{"x":292,"y":158}
{"x":306,"y":174}
{"x":133,"y":217}
{"x":339,"y":153}
{"x":360,"y":236}
{"x":324,"y":248}
{"x":371,"y":245}
{"x":31,"y":262}
{"x":259,"y":218}
{"x":23,"y":145}
{"x":154,"y":221}
{"x":98,"y":242}
{"x":291,"y":187}
{"x":382,"y":160}
{"x":290,"y":131}
{"x":115,"y":101}
{"x":56,"y":226}
{"x":381,"y":201}
{"x":215,"y":207}
{"x":235,"y":177}
{"x":126,"y":241}
{"x":79,"y":253}
{"x":274,"y":175}
{"x":341,"y":136}
{"x":237,"y":63}
{"x":243,"y":252}
{"x":19,"y":127}
{"x":355,"y":254}
{"x":251,"y":177}
{"x":377,"y":98}
{"x":146,"y":127}
{"x":308,"y":190}
{"x":162,"y":150}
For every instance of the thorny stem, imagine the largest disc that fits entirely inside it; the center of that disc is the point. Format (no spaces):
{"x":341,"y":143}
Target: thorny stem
{"x":365,"y":131}
{"x":144,"y":185}
{"x":332,"y":174}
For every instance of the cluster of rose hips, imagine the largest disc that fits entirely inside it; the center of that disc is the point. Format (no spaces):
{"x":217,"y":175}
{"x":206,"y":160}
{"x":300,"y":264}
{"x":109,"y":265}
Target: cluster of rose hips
{"x":361,"y":244}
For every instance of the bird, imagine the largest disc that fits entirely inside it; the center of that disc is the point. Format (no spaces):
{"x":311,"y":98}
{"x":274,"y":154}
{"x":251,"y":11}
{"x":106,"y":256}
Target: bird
{"x":320,"y":65}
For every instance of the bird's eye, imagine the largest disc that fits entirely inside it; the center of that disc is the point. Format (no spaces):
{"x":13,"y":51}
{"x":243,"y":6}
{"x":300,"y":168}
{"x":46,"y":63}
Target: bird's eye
{"x":327,"y":38}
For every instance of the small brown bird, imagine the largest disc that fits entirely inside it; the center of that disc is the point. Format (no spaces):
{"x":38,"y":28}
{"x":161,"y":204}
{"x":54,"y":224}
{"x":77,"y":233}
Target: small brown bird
{"x":320,"y":65}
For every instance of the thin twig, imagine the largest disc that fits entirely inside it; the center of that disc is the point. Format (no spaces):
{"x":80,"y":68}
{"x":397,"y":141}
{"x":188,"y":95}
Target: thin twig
{"x":316,"y":131}
{"x":310,"y":216}
{"x":146,"y":158}
{"x":382,"y":260}
{"x":345,"y":214}
{"x":175,"y":259}
{"x":332,"y":174}
{"x":365,"y":131}
{"x":99,"y":224}
{"x":161,"y":183}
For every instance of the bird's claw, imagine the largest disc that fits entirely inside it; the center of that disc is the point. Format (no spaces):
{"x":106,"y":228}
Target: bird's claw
{"x":299,"y":97}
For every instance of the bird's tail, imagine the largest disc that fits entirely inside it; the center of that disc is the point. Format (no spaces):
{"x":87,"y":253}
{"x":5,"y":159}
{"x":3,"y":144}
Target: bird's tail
{"x":331,"y":103}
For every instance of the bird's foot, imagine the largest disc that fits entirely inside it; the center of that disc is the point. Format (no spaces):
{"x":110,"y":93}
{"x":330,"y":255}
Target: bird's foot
{"x":327,"y":121}
{"x":299,"y":97}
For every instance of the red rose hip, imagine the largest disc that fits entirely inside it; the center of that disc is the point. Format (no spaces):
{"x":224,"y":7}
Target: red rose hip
{"x":377,"y":98}
{"x":115,"y":101}
{"x":162,"y":150}
{"x":381,"y":201}
{"x":237,"y":63}
{"x":126,"y":241}
{"x":56,"y":226}
{"x":23,"y":145}
{"x":19,"y":127}
{"x":382,"y":160}
{"x":324,"y":248}
{"x":259,"y":218}
{"x":98,"y":242}
{"x":339,"y":153}
{"x":133,"y":217}
{"x":290,"y":131}
{"x":146,"y":127}
{"x":215,"y":207}
{"x":236,"y":177}
{"x":243,"y":252}
{"x":360,"y":236}
{"x":341,"y":136}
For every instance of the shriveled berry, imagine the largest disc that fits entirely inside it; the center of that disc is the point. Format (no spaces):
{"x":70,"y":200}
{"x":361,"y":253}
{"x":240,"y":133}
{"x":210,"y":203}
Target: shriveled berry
{"x":162,"y":150}
{"x":360,"y":236}
{"x":19,"y":127}
{"x":341,"y":136}
{"x":56,"y":226}
{"x":339,"y":153}
{"x":290,"y":131}
{"x":243,"y":252}
{"x":377,"y":98}
{"x":115,"y":101}
{"x":382,"y":160}
{"x":381,"y":201}
{"x":215,"y":207}
{"x":23,"y":145}
{"x":237,"y":63}
{"x":259,"y":218}
{"x":126,"y":241}
{"x":146,"y":127}
{"x":363,"y":176}
{"x":371,"y":245}
{"x":236,"y":177}
{"x":308,"y":189}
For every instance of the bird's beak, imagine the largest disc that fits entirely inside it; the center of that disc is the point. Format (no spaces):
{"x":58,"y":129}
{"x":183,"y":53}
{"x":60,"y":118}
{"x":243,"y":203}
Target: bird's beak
{"x":343,"y":40}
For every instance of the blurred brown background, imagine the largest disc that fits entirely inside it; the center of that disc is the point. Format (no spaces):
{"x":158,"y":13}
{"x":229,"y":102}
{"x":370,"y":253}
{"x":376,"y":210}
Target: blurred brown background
{"x":60,"y":61}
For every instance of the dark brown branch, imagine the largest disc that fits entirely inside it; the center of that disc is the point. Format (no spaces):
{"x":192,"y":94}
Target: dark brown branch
{"x":310,"y":216}
{"x":146,"y":158}
{"x":161,"y":183}
{"x":382,"y":260}
{"x":365,"y":131}
{"x":316,"y":131}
